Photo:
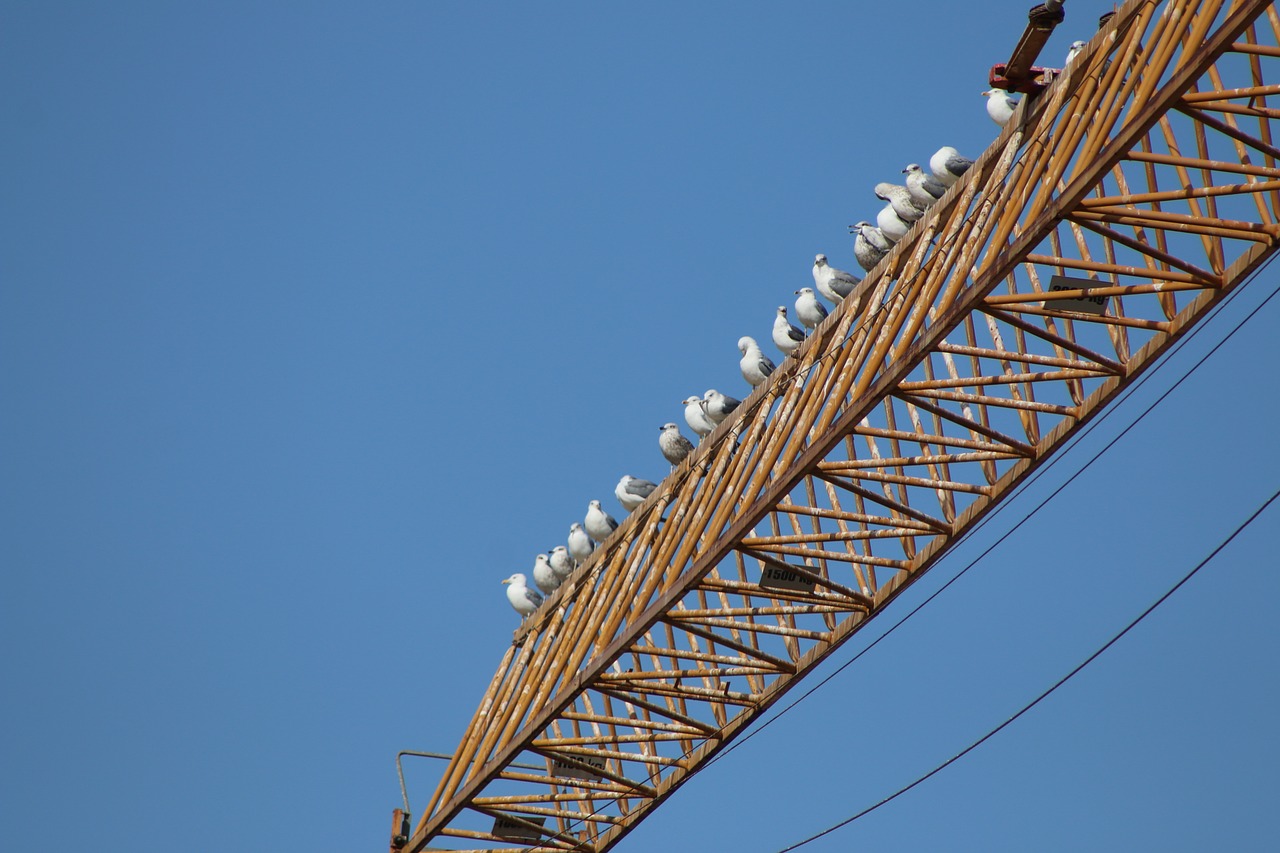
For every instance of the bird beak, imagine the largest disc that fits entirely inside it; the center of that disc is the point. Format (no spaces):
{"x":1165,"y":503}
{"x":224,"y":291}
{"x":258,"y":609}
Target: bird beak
{"x":506,"y":580}
{"x":796,"y":292}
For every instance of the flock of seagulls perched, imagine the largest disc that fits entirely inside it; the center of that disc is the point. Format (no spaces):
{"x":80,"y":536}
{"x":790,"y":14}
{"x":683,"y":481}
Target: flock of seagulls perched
{"x":905,"y":204}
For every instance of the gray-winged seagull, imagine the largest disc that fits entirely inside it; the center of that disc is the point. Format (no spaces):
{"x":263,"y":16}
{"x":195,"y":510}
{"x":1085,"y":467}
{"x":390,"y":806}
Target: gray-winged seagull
{"x":599,"y":524}
{"x":832,"y":283}
{"x":632,"y":491}
{"x":948,"y":165}
{"x":580,"y":544}
{"x":809,"y":310}
{"x":695,"y":415}
{"x":1000,"y":106}
{"x":786,"y":337}
{"x":719,"y":406}
{"x":523,"y":599}
{"x":755,"y":365}
{"x":925,"y":189}
{"x":545,"y":576}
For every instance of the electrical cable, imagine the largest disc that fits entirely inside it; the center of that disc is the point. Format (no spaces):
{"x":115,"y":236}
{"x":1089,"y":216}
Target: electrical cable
{"x":801,"y":376}
{"x":746,"y":737}
{"x":833,"y":351}
{"x":1025,"y":708}
{"x":982,"y":522}
{"x":1022,"y":487}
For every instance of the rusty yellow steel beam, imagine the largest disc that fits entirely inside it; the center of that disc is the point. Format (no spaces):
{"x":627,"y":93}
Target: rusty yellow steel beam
{"x":1094,"y":232}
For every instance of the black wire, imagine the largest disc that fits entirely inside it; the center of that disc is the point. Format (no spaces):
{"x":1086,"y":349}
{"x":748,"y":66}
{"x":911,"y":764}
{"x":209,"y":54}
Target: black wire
{"x":1006,"y":502}
{"x":1003,"y":537}
{"x":833,"y":351}
{"x":962,"y":753}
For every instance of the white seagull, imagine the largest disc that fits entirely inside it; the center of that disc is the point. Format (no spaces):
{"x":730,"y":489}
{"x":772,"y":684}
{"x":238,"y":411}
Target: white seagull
{"x":544,"y":575}
{"x":674,"y":446}
{"x":1000,"y":106}
{"x":632,"y":491}
{"x":523,"y":599}
{"x":786,"y":337}
{"x":580,"y":544}
{"x":755,"y":365}
{"x":695,"y":415}
{"x":948,"y":165}
{"x":925,"y":189}
{"x":809,"y":310}
{"x":870,"y":245}
{"x":832,"y":283}
{"x":891,"y":225}
{"x":561,"y":562}
{"x":599,"y":524}
{"x":1073,"y":52}
{"x":899,"y":198}
{"x":720,"y":406}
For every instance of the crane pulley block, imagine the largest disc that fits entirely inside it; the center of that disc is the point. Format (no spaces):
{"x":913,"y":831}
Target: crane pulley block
{"x":1018,"y":74}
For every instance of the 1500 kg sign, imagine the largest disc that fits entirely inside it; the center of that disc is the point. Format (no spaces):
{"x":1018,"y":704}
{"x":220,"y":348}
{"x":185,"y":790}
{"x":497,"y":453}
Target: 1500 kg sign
{"x":1082,"y":304}
{"x":772,"y":577}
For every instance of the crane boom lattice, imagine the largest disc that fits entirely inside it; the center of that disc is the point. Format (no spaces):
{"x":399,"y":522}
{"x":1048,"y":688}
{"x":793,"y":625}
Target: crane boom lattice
{"x":1114,"y":211}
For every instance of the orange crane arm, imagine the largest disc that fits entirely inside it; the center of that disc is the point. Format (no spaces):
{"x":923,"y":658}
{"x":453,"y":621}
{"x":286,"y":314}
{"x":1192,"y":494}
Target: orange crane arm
{"x":1113,"y":212}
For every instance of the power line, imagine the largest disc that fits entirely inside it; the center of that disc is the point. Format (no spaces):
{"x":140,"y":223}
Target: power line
{"x":1007,"y":533}
{"x":1018,"y":524}
{"x":1090,"y":659}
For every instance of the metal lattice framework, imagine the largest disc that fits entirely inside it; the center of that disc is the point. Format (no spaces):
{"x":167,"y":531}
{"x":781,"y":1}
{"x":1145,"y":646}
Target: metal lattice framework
{"x":1144,"y":178}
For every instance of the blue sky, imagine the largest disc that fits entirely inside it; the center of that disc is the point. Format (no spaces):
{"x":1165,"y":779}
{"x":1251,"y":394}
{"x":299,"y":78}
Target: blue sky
{"x":317,"y":320}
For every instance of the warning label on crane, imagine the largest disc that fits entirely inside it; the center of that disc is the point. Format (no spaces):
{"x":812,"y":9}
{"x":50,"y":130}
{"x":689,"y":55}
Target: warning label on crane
{"x":514,"y":829}
{"x":772,"y":577}
{"x":1084,"y":305}
{"x":574,"y":770}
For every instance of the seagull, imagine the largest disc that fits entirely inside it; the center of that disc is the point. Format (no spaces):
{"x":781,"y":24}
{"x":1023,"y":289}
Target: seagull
{"x":786,"y":337}
{"x":720,"y":406}
{"x":875,"y":238}
{"x":545,"y":576}
{"x":695,"y":415}
{"x":891,"y":225}
{"x":674,"y":446}
{"x":631,"y":491}
{"x":599,"y":524}
{"x":754,"y":364}
{"x":832,"y":283}
{"x":1000,"y":106}
{"x":809,"y":310}
{"x":561,"y":562}
{"x":899,"y":197}
{"x":523,"y":599}
{"x":947,"y":165}
{"x":1073,"y":52}
{"x":925,"y":189}
{"x":870,"y":245}
{"x":580,"y":544}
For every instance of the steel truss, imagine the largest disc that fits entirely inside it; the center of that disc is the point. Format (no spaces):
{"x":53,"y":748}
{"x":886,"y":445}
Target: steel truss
{"x":1145,"y":177}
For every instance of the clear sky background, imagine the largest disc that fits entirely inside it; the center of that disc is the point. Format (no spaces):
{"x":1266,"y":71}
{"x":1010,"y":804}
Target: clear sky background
{"x":319,"y":319}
